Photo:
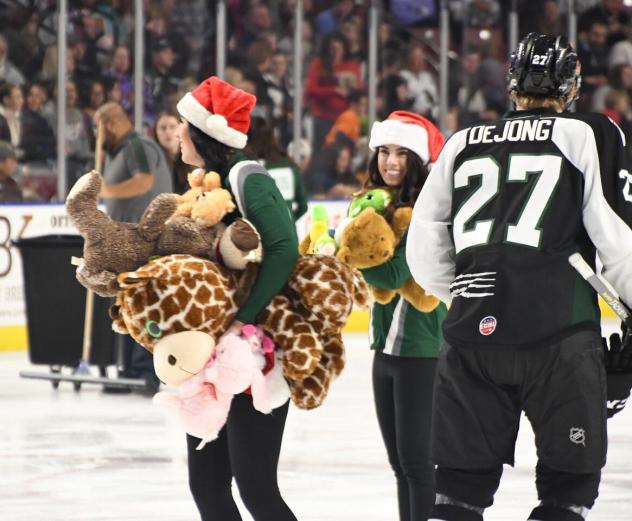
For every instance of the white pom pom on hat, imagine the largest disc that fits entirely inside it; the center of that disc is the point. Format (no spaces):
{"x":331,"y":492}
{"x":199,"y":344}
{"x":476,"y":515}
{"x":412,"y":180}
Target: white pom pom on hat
{"x":216,"y":121}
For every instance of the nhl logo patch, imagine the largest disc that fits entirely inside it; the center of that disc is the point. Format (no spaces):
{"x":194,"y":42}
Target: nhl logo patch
{"x":578,"y":436}
{"x":487,"y":326}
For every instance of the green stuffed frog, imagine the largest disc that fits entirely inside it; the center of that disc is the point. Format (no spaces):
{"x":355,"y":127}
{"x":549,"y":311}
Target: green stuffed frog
{"x":377,"y":198}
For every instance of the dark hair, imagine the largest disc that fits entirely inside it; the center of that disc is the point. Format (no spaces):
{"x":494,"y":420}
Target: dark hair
{"x":390,"y":58}
{"x":109,"y":82}
{"x":258,"y":52}
{"x":323,"y":167}
{"x":616,"y":75}
{"x":5,"y":89}
{"x":214,"y":154}
{"x":96,"y":81}
{"x":36,"y":84}
{"x":355,"y":95}
{"x":262,"y":143}
{"x":413,"y":182}
{"x":162,"y":114}
{"x":327,"y":66}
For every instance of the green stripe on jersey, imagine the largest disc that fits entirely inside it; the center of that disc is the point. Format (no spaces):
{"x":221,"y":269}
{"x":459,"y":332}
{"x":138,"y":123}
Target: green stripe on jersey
{"x":397,"y":328}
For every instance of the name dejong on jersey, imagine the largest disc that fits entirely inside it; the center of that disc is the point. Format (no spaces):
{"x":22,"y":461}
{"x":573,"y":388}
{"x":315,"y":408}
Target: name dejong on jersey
{"x":511,"y":130}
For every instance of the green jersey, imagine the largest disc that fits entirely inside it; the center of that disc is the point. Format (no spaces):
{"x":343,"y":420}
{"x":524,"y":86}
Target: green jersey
{"x":398,"y":328}
{"x":259,"y":200}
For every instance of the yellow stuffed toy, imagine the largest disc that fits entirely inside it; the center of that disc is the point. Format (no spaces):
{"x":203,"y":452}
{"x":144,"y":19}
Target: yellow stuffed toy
{"x":205,"y":202}
{"x":368,"y":241}
{"x":318,"y":241}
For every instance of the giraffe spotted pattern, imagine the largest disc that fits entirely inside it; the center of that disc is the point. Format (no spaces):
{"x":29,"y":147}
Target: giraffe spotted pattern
{"x":185,"y":293}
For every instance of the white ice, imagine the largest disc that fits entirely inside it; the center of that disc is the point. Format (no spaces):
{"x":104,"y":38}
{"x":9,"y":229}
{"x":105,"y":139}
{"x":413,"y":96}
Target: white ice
{"x":87,"y":456}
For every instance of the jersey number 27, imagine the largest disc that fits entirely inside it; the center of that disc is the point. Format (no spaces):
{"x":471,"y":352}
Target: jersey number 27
{"x":469,"y":232}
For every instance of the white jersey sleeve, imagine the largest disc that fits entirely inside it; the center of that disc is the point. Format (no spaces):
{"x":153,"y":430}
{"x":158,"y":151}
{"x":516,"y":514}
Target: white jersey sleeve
{"x":606,"y":226}
{"x":430,"y":249}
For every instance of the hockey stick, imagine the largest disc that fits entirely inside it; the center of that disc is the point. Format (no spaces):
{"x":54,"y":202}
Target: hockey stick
{"x":602,"y":287}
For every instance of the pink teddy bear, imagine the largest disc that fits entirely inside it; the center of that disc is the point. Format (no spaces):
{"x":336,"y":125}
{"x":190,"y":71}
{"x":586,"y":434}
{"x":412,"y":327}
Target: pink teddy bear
{"x":199,"y":408}
{"x":202,"y":401}
{"x":239,"y":365}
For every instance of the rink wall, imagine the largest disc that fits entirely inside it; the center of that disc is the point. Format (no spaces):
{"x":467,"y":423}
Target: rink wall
{"x":18,"y":221}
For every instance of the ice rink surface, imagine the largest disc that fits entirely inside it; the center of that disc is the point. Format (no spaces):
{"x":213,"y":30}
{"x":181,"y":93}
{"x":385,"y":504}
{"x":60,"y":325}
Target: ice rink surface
{"x":88,"y":456}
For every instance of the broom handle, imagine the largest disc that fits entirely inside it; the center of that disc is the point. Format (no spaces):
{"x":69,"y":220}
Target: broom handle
{"x":98,"y":148}
{"x":87,"y":319}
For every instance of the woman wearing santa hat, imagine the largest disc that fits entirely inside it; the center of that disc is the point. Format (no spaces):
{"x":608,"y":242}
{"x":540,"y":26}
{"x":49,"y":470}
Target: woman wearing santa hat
{"x":215,"y":121}
{"x":405,"y":340}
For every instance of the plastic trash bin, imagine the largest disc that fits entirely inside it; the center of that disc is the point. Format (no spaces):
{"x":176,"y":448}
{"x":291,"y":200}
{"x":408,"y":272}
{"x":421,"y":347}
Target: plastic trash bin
{"x":56,"y":302}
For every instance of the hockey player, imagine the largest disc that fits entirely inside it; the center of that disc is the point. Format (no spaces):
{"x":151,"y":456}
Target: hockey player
{"x":492,"y":230}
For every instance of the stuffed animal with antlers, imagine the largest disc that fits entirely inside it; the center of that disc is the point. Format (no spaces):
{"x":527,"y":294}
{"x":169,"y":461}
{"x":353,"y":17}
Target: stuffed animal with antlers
{"x":179,"y":293}
{"x":112,"y":247}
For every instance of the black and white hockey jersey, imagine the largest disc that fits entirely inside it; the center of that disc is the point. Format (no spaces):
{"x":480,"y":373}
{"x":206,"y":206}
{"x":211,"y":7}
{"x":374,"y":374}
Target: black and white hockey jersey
{"x":503,"y":208}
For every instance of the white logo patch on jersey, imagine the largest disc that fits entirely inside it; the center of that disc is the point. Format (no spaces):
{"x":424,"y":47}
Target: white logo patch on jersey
{"x":627,"y":187}
{"x":578,"y":436}
{"x":487,"y":326}
{"x":616,"y":405}
{"x":474,"y":285}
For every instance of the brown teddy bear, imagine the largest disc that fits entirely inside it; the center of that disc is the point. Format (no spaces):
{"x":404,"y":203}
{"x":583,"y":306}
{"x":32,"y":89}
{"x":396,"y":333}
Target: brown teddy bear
{"x":112,"y":247}
{"x":368,"y":241}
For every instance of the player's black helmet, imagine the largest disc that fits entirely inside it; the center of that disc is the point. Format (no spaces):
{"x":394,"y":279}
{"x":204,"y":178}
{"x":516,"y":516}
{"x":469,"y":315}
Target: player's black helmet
{"x":544,"y":65}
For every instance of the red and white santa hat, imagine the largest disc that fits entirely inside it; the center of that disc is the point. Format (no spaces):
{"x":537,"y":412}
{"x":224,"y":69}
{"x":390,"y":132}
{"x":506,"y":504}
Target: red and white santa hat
{"x":219,"y":110}
{"x":410,"y":131}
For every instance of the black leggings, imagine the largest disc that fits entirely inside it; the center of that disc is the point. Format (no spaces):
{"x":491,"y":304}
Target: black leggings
{"x":402,"y":387}
{"x":247,"y":449}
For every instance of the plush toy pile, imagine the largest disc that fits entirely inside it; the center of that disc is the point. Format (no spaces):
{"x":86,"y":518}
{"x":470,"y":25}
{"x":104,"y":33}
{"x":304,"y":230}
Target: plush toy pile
{"x":183,"y":300}
{"x":367,"y":238}
{"x":170,"y":297}
{"x":165,"y":228}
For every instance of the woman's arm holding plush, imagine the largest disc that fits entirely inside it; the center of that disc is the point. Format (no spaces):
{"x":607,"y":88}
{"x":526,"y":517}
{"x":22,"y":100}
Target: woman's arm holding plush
{"x":393,"y":273}
{"x":268,"y":212}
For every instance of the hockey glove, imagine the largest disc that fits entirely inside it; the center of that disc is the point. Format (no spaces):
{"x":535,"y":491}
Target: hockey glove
{"x":618,"y":352}
{"x":618,"y":363}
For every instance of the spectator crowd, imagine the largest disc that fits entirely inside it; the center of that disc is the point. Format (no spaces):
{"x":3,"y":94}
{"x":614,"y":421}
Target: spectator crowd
{"x":180,"y":51}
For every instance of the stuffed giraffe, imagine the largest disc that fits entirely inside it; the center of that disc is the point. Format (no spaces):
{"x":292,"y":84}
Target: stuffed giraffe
{"x":180,"y":293}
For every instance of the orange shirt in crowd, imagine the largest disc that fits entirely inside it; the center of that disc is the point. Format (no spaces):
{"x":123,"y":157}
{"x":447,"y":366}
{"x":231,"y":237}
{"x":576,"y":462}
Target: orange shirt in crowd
{"x":347,"y":123}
